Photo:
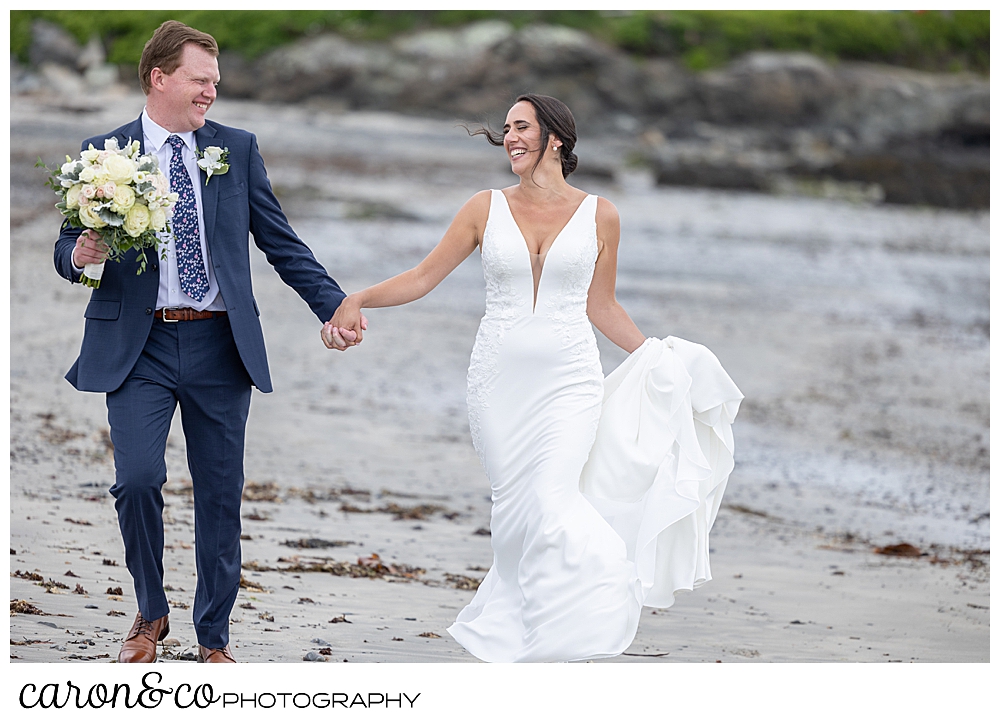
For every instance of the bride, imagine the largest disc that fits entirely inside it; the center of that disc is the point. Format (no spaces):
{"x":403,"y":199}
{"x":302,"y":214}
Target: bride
{"x":604,"y":490}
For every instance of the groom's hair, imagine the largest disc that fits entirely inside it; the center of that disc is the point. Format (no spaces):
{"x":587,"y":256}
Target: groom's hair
{"x":164,"y":49}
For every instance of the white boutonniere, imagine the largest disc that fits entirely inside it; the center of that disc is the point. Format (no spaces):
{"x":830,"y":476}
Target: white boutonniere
{"x":213,"y":160}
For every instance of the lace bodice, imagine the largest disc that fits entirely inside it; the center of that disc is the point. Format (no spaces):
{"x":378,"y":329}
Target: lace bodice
{"x":567,"y":268}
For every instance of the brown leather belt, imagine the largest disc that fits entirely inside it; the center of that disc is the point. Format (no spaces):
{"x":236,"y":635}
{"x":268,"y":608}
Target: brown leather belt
{"x":185,"y":314}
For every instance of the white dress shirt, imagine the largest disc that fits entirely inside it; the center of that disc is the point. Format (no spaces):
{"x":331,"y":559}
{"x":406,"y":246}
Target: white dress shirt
{"x":170,"y":294}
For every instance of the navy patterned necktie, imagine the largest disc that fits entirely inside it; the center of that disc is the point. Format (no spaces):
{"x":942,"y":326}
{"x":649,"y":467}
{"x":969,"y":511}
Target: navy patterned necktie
{"x":187,"y":240}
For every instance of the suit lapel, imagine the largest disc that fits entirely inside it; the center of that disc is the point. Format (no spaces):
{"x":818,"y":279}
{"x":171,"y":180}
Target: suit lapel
{"x":132,"y":132}
{"x":204,"y":137}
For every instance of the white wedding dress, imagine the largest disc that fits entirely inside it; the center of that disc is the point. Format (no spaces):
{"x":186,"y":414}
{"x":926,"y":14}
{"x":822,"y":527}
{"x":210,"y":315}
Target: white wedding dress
{"x":604,"y":491}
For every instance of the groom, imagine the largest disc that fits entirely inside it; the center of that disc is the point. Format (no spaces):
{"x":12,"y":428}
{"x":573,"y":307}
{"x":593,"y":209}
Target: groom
{"x":186,"y":332}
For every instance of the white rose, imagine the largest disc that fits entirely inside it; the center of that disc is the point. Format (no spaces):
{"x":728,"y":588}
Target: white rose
{"x":90,"y":155}
{"x":118,"y":168}
{"x":160,"y":182}
{"x":90,"y":218}
{"x":136,"y":220}
{"x":88,"y":174}
{"x":124,"y":198}
{"x":73,"y":196}
{"x":111,"y":144}
{"x":157,"y":219}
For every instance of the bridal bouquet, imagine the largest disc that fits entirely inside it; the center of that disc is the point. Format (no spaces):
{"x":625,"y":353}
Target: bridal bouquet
{"x":118,"y":193}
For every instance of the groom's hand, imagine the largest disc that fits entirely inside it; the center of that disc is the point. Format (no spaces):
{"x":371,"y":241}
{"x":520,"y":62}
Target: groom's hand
{"x":335,"y":338}
{"x":90,"y":249}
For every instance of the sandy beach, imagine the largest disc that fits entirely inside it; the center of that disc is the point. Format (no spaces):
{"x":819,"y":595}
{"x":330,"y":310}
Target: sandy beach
{"x":856,"y":523}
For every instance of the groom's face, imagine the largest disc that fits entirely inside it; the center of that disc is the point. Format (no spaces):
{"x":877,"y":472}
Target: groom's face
{"x":186,"y":94}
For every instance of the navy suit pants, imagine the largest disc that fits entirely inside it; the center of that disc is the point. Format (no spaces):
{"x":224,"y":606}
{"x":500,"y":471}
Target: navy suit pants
{"x":195,"y":364}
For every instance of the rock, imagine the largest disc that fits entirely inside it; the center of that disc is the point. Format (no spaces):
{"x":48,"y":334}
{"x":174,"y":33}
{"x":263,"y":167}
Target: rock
{"x":313,"y":657}
{"x":101,"y":76}
{"x":915,"y":176}
{"x":51,"y":44}
{"x":239,"y":78}
{"x":63,"y":66}
{"x":666,"y":86}
{"x":22,"y":80}
{"x":787,"y":89}
{"x":554,"y":48}
{"x":881,"y":133}
{"x":91,"y":62}
{"x":879,"y":104}
{"x":329,"y":64}
{"x":450,"y":45}
{"x":61,"y":80}
{"x":92,"y":54}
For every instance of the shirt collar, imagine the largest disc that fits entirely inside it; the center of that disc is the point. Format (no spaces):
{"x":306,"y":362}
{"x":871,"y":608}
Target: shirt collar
{"x":157,"y":134}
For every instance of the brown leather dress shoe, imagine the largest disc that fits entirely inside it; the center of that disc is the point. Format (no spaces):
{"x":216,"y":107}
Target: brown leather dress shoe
{"x":215,"y":655}
{"x":140,"y":643}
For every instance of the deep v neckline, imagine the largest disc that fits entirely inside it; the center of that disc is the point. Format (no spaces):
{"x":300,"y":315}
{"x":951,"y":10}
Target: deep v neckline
{"x":542,"y":257}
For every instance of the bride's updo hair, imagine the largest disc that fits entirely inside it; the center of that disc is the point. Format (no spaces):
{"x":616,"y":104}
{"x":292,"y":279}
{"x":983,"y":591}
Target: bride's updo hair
{"x":554,"y":119}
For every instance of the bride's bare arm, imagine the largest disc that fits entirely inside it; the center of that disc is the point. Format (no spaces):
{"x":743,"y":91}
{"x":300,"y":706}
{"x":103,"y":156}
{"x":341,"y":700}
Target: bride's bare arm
{"x":602,"y":307}
{"x":460,"y":240}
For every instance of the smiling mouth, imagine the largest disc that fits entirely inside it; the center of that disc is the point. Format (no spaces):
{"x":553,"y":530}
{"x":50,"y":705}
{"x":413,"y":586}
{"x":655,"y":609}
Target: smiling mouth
{"x":203,"y":106}
{"x":517,"y":152}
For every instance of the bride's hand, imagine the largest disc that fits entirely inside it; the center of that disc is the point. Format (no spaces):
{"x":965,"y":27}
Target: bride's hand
{"x":346,"y":327}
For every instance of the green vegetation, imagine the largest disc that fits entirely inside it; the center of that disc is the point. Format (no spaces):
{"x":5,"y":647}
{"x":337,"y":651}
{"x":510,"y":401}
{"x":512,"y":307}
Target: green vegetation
{"x":929,"y":40}
{"x":932,"y":40}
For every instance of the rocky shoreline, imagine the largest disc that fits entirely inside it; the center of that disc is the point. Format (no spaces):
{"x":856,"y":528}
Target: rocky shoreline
{"x":770,"y":122}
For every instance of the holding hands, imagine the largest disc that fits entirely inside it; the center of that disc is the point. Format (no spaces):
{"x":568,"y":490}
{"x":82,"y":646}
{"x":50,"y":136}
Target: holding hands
{"x":348,"y":323}
{"x":345,"y":328}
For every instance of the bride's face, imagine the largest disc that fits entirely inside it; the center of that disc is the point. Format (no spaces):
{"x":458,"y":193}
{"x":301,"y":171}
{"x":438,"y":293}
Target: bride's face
{"x":522,"y":137}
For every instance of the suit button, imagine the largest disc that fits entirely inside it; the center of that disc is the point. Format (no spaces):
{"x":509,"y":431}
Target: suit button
{"x":149,"y":311}
{"x":153,"y":267}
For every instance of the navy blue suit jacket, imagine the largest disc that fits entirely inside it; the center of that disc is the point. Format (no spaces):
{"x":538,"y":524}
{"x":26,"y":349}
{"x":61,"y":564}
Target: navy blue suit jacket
{"x":235,"y":205}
